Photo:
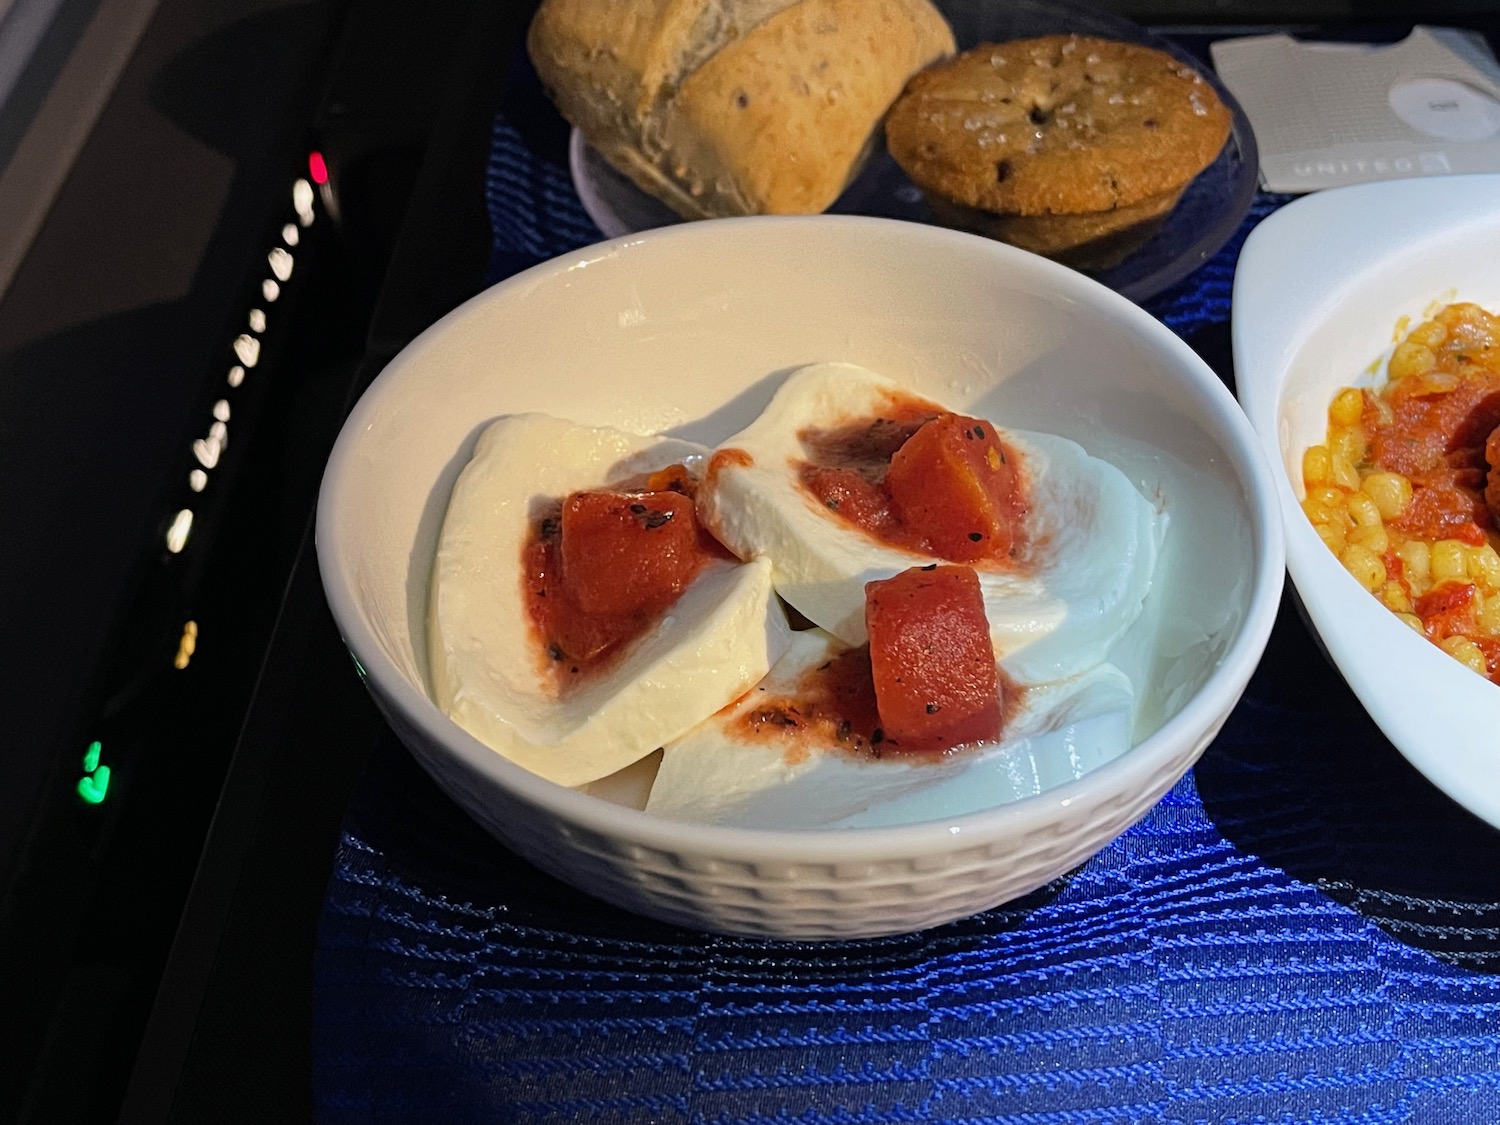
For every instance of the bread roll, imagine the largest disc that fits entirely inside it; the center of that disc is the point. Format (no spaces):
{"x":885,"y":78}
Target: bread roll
{"x":733,"y":107}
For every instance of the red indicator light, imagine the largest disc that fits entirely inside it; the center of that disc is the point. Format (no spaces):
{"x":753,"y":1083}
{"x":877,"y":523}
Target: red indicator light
{"x":318,"y":167}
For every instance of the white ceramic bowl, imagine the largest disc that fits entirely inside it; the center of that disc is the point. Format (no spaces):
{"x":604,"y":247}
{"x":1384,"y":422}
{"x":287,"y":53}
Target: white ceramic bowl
{"x":689,"y":329}
{"x":1321,"y":288}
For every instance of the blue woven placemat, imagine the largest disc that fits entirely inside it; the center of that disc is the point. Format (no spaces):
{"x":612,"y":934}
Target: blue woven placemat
{"x":1303,"y":930}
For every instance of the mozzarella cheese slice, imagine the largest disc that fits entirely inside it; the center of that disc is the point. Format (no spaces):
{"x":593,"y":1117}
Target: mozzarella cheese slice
{"x":1093,"y":537}
{"x":714,"y":775}
{"x":721,"y":636}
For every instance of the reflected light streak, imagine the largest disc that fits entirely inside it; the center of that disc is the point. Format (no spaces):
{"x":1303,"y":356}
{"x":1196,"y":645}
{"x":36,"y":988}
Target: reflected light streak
{"x":236,"y":375}
{"x":221,"y":410}
{"x":257,"y":320}
{"x":290,"y":234}
{"x":281,"y":263}
{"x":177,"y":534}
{"x":197,"y":480}
{"x":186,"y":645}
{"x":269,"y":290}
{"x":302,"y":201}
{"x":248,"y":349}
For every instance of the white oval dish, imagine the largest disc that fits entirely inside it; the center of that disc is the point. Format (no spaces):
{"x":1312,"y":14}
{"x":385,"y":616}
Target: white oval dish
{"x":1320,"y":292}
{"x":688,"y":330}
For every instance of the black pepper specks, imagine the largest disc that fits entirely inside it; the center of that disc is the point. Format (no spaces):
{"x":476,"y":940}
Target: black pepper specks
{"x":930,"y":566}
{"x":742,"y":99}
{"x":1003,"y":170}
{"x":975,"y":536}
{"x":933,"y":708}
{"x":774,"y":716}
{"x":979,"y":432}
{"x":554,"y":652}
{"x":656,"y":518}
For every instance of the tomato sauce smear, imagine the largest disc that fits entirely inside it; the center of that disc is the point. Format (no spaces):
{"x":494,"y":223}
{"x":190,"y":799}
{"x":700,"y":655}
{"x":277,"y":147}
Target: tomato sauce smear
{"x":831,"y":706}
{"x":601,"y":568}
{"x":923,"y":480}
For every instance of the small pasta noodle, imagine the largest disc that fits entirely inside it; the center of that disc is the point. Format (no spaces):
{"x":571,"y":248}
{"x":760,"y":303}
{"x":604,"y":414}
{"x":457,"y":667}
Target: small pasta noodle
{"x":1405,"y":491}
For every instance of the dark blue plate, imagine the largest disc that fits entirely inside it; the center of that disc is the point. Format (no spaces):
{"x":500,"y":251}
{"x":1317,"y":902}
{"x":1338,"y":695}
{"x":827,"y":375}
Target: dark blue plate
{"x":1209,"y":212}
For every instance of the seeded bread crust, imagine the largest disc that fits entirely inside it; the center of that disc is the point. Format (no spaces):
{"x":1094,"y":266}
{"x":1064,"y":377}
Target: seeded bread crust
{"x":1053,"y":128}
{"x":734,"y":107}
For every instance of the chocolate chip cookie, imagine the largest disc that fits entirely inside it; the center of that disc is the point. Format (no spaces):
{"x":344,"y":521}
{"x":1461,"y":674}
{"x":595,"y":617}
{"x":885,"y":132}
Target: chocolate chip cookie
{"x":1070,"y":146}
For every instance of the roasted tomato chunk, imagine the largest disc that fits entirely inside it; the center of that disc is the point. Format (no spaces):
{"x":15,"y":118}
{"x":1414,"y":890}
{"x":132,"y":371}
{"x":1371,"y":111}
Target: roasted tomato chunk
{"x":1492,"y":461}
{"x":955,"y":482}
{"x":1448,"y":610}
{"x":936,"y":684}
{"x":628,"y":553}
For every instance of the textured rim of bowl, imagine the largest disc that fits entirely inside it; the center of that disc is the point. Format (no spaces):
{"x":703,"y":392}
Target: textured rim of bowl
{"x":1130,"y":772}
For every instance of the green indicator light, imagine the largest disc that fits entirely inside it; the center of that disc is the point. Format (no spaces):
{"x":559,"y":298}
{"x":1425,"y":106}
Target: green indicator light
{"x":94,"y":784}
{"x":93,"y":788}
